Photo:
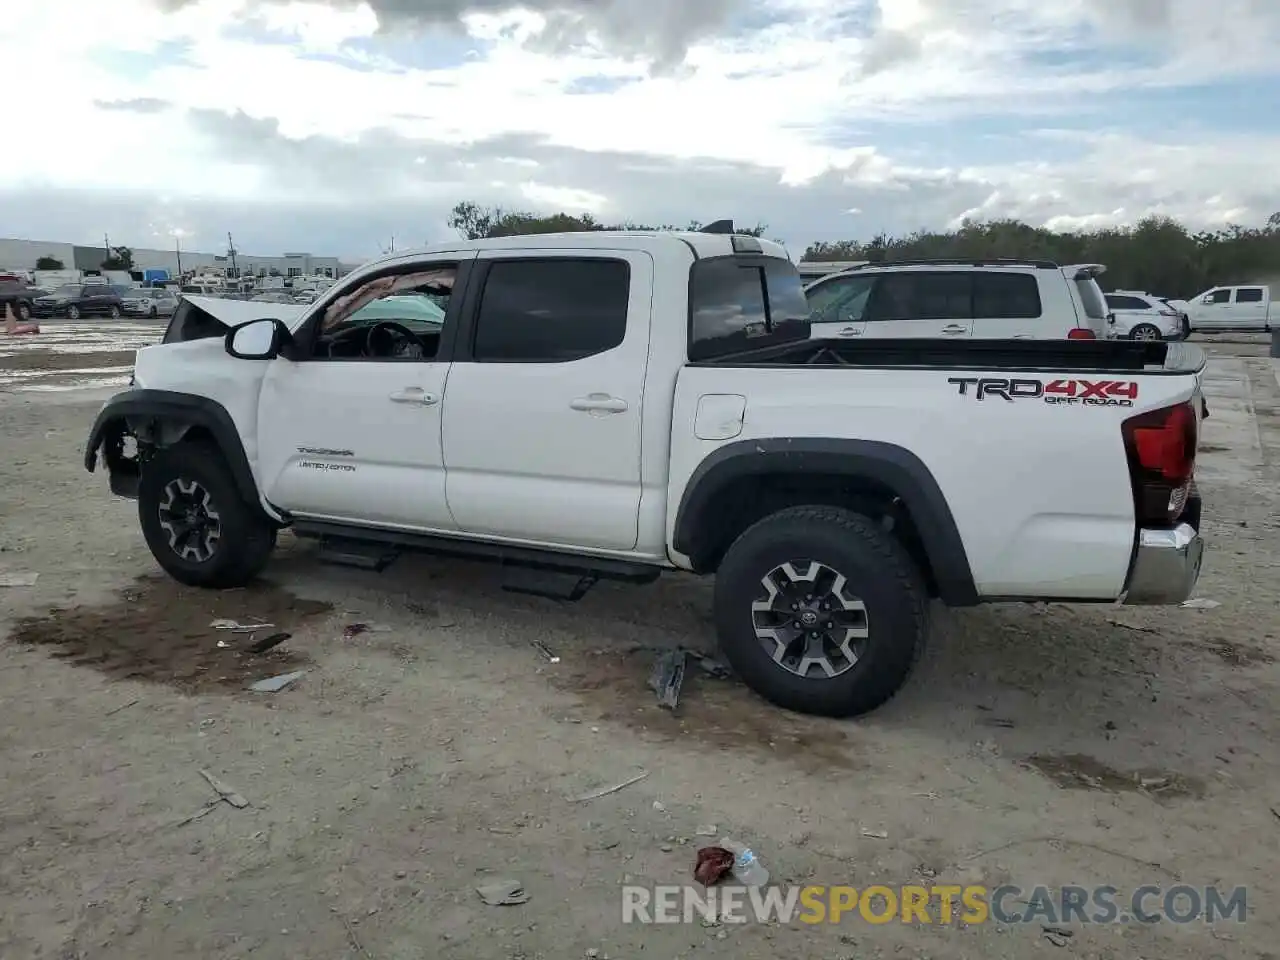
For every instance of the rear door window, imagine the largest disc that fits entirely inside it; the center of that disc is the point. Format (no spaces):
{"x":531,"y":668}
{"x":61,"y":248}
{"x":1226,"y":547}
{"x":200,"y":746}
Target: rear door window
{"x":923,"y":295}
{"x":551,"y":311}
{"x":1249,"y":295}
{"x":741,"y":303}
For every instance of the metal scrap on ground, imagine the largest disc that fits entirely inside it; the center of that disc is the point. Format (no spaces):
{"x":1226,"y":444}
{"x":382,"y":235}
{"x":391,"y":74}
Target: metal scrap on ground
{"x":667,"y":677}
{"x":503,"y":893}
{"x":224,"y":791}
{"x":276,"y":684}
{"x":605,"y":791}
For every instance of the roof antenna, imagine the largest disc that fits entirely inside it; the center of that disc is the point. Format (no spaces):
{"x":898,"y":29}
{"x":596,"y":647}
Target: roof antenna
{"x":720,"y":226}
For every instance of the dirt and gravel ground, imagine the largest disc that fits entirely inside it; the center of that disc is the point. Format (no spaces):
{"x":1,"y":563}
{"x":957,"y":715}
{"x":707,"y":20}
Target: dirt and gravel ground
{"x":438,"y":749}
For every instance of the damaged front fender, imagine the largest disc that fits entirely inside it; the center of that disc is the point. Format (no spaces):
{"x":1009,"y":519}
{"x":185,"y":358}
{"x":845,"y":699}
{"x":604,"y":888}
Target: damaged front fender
{"x":135,"y":421}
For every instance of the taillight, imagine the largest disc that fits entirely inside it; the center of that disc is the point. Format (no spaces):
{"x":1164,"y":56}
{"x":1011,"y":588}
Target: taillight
{"x":1081,"y":333}
{"x":1168,"y":313}
{"x":1161,"y":447}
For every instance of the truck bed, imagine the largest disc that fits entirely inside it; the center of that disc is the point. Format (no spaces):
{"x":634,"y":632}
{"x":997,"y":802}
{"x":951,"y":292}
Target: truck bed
{"x":1050,"y":356}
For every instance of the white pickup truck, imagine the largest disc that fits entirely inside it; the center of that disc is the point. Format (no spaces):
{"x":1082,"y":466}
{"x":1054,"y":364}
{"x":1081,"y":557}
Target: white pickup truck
{"x":619,"y":404}
{"x":1246,"y":308}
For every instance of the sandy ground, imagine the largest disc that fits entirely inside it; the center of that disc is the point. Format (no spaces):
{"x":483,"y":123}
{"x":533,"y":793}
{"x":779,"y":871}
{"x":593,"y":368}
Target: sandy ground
{"x":439,"y":750}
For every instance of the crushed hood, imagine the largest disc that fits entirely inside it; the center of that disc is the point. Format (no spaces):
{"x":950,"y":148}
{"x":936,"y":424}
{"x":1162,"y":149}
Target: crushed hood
{"x":199,"y":317}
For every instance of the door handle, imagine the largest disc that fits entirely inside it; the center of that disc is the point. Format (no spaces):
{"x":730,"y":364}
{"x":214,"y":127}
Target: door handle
{"x":850,"y":332}
{"x":953,"y":330}
{"x":599,"y":403}
{"x":414,"y":395}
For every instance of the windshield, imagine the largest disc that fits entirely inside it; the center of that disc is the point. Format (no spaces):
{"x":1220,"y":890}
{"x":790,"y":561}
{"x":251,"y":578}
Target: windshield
{"x":420,"y":312}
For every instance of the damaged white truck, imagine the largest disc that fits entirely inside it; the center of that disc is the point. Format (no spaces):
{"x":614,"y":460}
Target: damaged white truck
{"x":615,"y":405}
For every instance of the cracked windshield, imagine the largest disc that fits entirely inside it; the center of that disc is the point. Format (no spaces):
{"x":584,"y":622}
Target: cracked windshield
{"x":551,"y":479}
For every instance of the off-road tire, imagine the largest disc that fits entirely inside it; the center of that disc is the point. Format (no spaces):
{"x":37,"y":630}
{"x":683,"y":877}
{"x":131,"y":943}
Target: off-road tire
{"x":246,"y":538}
{"x":879,"y":572}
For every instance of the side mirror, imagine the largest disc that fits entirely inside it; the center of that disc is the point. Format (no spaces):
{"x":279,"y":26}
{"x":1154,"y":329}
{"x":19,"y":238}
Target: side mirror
{"x":256,"y":339}
{"x":1208,"y":299}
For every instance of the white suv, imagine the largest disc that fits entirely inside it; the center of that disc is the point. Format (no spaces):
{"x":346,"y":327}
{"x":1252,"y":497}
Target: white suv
{"x":1140,"y":316}
{"x":982,"y":299}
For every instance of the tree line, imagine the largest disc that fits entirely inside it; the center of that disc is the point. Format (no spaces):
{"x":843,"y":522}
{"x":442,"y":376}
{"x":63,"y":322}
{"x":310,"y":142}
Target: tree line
{"x":1157,"y":254}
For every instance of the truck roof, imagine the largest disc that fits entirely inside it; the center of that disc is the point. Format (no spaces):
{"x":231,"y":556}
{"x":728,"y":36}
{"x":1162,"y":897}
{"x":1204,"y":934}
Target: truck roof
{"x":702,"y":244}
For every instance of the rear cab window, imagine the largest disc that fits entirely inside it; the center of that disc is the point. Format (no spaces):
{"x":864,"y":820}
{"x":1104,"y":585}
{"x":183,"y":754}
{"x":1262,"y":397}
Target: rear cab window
{"x":744,"y":302}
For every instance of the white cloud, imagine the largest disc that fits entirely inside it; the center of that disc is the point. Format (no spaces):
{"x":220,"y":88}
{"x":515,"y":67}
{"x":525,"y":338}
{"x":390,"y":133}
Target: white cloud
{"x":768,"y":105}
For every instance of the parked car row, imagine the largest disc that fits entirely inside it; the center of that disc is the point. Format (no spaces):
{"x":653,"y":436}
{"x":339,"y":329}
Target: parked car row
{"x":76,"y":300}
{"x":1011,"y":299}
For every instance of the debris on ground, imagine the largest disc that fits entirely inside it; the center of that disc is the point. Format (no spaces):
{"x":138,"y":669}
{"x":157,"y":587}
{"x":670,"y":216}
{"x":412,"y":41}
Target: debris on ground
{"x":1130,"y":626}
{"x":18,"y":579}
{"x":353,"y":630}
{"x":543,"y":649}
{"x":875,"y":834}
{"x":706,"y":830}
{"x":1058,"y":936}
{"x":355,"y":941}
{"x":157,"y":631}
{"x":667,"y":677}
{"x":225,"y":791}
{"x":204,"y":811}
{"x":747,"y":868}
{"x":503,"y":893}
{"x":123,"y":706}
{"x":234,"y":626}
{"x":712,"y":667}
{"x":712,"y":865}
{"x":266,"y":643}
{"x":1200,"y":604}
{"x":998,"y":722}
{"x":277,"y":683}
{"x":605,"y":791}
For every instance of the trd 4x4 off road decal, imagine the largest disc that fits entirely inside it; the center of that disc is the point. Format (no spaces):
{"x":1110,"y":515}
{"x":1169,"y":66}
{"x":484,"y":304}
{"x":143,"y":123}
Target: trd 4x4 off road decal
{"x":1091,"y":393}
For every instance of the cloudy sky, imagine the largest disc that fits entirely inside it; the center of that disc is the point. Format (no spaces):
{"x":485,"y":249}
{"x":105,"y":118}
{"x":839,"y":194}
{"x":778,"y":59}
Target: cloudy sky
{"x":333,"y":126}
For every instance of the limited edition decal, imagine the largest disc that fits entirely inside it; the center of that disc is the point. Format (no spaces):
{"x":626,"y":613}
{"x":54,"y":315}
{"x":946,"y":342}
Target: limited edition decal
{"x":1089,"y":393}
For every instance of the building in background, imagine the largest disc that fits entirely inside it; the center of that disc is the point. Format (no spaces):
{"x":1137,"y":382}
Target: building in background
{"x":23,"y":254}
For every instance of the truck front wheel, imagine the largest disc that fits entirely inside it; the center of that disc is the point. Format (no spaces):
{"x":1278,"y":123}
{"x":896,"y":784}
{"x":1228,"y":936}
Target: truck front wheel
{"x":820,"y":611}
{"x":197,"y":525}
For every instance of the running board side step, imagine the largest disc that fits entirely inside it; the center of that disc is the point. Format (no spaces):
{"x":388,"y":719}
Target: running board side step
{"x":565,"y":576}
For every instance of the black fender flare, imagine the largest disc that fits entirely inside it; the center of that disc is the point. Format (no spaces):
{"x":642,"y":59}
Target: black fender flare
{"x":186,"y":410}
{"x":890,"y":465}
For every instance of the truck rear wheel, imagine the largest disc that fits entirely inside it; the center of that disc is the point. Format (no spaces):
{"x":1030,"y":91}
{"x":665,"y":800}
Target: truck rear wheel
{"x":820,"y":611}
{"x":197,"y":525}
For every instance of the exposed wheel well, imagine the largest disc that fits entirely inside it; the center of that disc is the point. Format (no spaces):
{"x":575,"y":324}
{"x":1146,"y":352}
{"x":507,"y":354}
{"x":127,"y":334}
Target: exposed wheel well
{"x":747,"y":499}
